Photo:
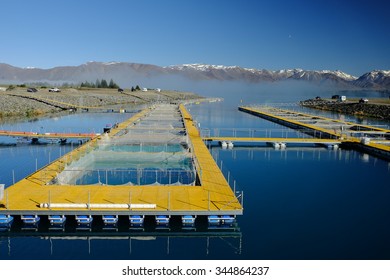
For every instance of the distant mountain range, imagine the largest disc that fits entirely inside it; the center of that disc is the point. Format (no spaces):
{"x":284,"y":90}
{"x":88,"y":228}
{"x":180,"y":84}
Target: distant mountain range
{"x":127,"y":74}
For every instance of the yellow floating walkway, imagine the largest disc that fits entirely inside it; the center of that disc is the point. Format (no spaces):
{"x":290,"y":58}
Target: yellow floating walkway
{"x":273,"y":139}
{"x":212,"y":196}
{"x":373,"y":140}
{"x":55,"y":135}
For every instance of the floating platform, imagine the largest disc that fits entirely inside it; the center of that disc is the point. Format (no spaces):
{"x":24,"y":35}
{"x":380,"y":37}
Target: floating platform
{"x":41,"y":193}
{"x":370,"y":139}
{"x":277,"y":142}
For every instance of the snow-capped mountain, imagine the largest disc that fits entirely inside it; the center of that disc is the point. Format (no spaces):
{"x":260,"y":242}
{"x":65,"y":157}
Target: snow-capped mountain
{"x":374,"y":79}
{"x":285,"y":73}
{"x":127,"y":74}
{"x":221,"y":72}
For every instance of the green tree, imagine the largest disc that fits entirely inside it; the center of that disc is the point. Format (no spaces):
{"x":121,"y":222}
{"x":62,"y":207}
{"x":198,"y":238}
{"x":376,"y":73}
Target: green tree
{"x":103,"y":84}
{"x":112,"y":84}
{"x":98,"y":83}
{"x":137,"y":87}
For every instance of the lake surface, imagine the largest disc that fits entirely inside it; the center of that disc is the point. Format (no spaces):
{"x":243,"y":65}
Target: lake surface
{"x":299,"y":203}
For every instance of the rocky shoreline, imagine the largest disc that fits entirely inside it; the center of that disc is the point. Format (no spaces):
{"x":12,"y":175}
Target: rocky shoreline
{"x":20,"y":103}
{"x":379,"y":111}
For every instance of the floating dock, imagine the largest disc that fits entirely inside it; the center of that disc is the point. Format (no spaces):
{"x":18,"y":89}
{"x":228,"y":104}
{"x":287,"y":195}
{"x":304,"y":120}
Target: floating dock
{"x":270,"y":140}
{"x":370,"y":139}
{"x":64,"y":188}
{"x":46,"y":135}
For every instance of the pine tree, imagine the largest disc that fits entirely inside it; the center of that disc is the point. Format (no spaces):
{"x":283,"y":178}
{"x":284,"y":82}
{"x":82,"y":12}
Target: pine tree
{"x":113,"y":84}
{"x":103,"y":84}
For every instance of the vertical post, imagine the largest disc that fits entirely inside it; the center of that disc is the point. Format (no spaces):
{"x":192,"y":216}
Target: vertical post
{"x":208,"y":200}
{"x":13,"y":176}
{"x":169,"y":200}
{"x":89,"y":199}
{"x":242,"y":199}
{"x":6,"y":199}
{"x":234,"y":187}
{"x":129,"y":200}
{"x":49,"y":199}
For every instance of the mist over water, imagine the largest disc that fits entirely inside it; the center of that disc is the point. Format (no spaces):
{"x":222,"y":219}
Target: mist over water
{"x":234,"y":92}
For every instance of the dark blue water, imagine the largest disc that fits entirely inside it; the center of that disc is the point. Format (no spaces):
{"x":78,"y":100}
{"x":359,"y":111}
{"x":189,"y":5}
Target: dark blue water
{"x":299,"y":203}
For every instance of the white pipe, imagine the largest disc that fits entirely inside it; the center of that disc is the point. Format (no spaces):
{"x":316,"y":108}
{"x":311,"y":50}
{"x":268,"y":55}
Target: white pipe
{"x":96,"y":205}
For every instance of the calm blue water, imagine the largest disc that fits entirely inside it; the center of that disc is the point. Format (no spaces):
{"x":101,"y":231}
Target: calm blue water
{"x":299,"y":203}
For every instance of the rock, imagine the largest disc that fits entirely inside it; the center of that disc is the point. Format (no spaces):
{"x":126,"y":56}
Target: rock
{"x":351,"y":108}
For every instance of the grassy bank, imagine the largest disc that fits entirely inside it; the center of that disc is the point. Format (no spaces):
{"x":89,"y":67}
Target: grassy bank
{"x":19,"y":102}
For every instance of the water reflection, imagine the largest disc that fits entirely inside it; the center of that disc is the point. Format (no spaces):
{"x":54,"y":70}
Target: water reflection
{"x":98,"y":241}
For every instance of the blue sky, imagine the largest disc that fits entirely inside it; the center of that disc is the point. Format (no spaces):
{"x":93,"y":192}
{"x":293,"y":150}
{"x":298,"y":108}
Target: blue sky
{"x":352,"y":36}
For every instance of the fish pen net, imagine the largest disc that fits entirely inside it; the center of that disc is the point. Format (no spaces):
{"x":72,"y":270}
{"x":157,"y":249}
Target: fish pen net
{"x":151,"y":151}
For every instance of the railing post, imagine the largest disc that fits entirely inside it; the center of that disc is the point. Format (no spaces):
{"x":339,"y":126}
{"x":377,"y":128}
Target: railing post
{"x":89,"y":200}
{"x":169,"y":201}
{"x":130,"y":200}
{"x":208,"y":200}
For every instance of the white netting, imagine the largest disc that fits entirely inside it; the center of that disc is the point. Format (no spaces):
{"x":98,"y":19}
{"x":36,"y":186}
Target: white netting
{"x":153,"y":151}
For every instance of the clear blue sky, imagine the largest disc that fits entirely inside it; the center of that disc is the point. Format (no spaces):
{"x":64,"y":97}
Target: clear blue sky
{"x":352,"y":36}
